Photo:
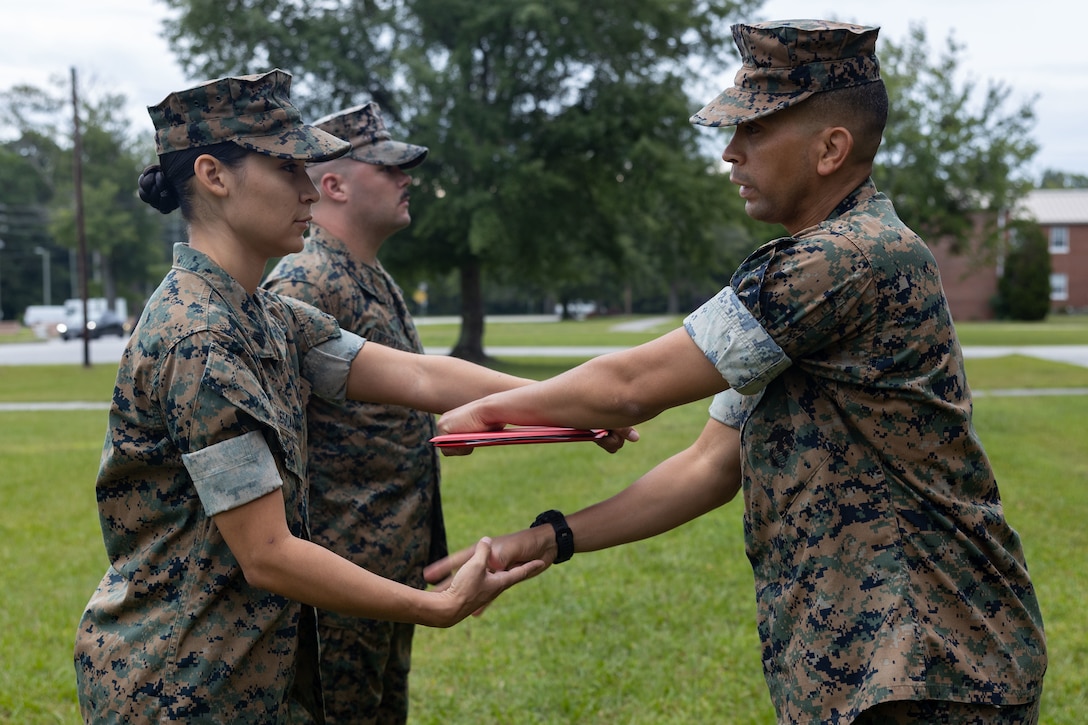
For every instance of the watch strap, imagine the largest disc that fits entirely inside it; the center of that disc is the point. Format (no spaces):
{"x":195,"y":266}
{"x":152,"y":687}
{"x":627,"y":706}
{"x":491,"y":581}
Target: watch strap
{"x":564,"y":537}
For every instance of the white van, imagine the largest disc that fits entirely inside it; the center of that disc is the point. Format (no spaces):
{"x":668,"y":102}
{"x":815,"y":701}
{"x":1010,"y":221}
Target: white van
{"x":43,"y":319}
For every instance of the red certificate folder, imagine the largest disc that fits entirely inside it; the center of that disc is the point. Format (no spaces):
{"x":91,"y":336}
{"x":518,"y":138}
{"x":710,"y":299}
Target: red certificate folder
{"x":519,"y":434}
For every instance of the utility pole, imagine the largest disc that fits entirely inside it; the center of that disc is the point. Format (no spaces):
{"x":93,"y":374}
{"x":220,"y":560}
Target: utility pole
{"x":1,"y":286}
{"x":81,"y":233}
{"x":47,"y":294}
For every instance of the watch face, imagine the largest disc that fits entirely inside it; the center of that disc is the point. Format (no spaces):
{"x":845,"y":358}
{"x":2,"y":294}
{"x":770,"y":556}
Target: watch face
{"x":518,"y":434}
{"x":549,"y":517}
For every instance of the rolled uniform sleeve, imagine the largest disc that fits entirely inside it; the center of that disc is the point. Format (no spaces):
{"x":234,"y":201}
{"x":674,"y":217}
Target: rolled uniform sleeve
{"x":233,"y":472}
{"x":736,"y":343}
{"x":728,"y":408}
{"x":327,"y":365}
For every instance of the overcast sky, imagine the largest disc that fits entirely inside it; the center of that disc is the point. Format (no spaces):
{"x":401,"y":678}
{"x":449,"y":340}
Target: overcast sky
{"x":1032,"y":47}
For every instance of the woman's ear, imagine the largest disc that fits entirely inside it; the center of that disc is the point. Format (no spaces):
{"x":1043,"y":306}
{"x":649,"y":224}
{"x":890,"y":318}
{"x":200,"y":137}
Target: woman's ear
{"x":209,"y":173}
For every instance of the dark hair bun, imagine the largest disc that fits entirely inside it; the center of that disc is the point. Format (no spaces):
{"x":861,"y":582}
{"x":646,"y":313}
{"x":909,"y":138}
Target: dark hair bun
{"x":157,"y":191}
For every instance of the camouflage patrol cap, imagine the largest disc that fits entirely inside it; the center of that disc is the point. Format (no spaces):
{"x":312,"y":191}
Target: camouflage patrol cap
{"x":370,"y":141}
{"x":253,"y":111}
{"x":786,"y":61}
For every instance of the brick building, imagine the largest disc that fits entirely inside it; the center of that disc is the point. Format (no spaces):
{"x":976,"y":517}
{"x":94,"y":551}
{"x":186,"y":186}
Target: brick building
{"x":970,"y":279}
{"x":1063,"y":215}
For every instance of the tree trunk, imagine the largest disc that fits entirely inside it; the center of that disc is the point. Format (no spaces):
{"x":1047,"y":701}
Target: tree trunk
{"x":470,"y":343}
{"x":673,"y":304}
{"x":564,"y":306}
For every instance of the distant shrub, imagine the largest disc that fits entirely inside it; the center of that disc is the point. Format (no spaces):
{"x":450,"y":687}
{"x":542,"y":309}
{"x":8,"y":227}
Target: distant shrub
{"x":1023,"y":292}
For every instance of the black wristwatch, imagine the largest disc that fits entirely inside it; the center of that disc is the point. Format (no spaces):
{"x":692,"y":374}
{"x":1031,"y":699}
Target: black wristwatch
{"x":564,"y":537}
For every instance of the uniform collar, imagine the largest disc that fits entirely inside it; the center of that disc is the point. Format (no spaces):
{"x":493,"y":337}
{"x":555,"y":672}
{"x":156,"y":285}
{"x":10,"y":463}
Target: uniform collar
{"x":248,"y":308}
{"x":319,"y":235}
{"x":866,"y":190}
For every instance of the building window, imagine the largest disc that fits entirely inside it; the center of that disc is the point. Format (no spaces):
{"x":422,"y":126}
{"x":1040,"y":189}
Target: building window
{"x":1059,"y":287}
{"x":1059,"y":240}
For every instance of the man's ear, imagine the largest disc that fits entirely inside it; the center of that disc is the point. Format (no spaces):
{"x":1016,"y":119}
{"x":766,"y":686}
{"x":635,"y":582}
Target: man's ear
{"x":209,"y":173}
{"x":836,"y":144}
{"x":331,"y":186}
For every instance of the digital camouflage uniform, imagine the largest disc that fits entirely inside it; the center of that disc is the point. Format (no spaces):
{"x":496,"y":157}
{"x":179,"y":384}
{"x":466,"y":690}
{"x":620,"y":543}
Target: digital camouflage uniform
{"x":374,"y":476}
{"x":884,"y":567}
{"x":207,"y":414}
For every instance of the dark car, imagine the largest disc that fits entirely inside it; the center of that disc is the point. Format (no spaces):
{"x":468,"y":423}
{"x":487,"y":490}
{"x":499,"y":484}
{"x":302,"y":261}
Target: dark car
{"x":108,"y":323}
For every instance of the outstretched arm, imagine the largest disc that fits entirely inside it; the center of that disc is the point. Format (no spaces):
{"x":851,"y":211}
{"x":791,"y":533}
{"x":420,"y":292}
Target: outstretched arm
{"x":273,"y":559}
{"x":698,"y":479}
{"x":434,"y":383}
{"x":611,"y":391}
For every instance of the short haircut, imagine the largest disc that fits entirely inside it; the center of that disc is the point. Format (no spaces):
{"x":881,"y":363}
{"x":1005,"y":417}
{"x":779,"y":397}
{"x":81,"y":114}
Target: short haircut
{"x":861,"y":109}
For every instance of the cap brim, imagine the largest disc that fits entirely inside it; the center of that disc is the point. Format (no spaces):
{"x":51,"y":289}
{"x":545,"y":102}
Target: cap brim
{"x":734,"y":107}
{"x":301,"y":142}
{"x":390,"y":153}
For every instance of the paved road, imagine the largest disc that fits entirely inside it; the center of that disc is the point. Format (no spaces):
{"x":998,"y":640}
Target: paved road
{"x":105,"y":351}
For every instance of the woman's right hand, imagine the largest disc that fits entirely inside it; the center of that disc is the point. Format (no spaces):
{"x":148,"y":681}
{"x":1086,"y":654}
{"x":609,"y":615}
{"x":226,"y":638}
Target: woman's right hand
{"x":475,"y":585}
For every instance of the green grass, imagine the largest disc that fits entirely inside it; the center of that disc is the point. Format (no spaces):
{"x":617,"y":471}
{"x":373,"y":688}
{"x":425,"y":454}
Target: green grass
{"x":1055,"y":330}
{"x":55,"y":383}
{"x":661,"y":631}
{"x":18,"y":334}
{"x":1018,"y":371}
{"x":51,"y":557}
{"x":1037,"y":448}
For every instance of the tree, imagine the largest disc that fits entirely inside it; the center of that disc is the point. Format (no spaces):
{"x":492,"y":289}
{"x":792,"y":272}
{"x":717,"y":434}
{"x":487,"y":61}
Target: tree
{"x":537,"y":114}
{"x":122,"y":233}
{"x":28,"y":165}
{"x":23,"y":195}
{"x":945,"y":156}
{"x":1053,"y":179}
